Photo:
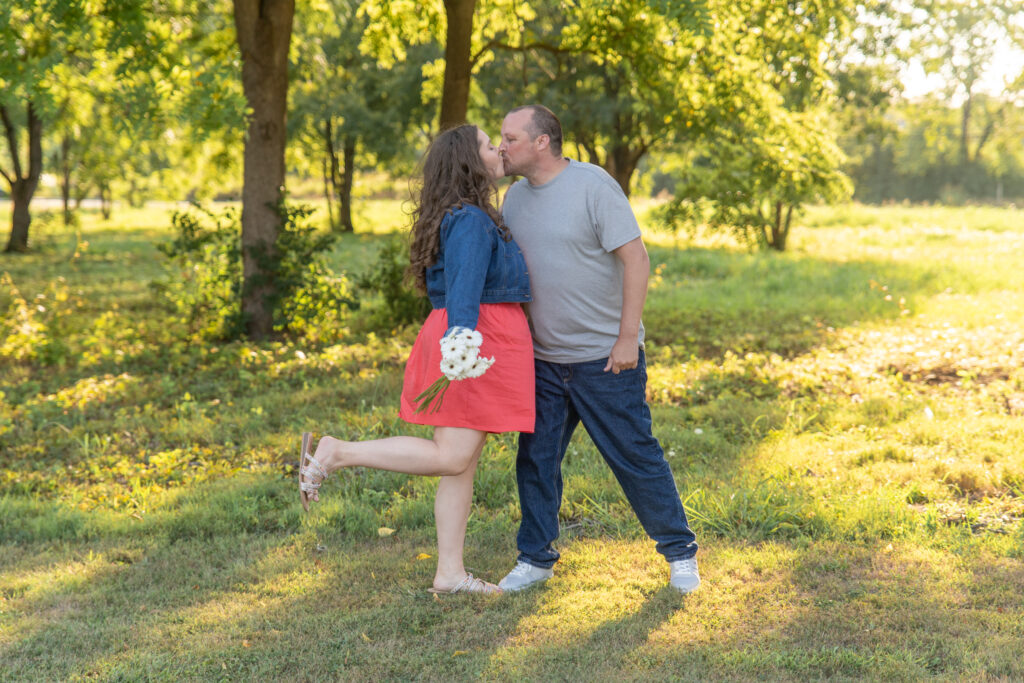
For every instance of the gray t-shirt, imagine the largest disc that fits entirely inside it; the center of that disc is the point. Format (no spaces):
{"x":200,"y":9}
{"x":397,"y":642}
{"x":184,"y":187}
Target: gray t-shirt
{"x":567,"y":229}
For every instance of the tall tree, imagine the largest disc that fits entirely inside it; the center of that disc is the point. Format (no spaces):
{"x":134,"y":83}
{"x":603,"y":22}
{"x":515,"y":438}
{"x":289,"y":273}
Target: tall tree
{"x":264,"y":30}
{"x":345,"y":106}
{"x":468,"y":30}
{"x":35,"y":36}
{"x":764,"y":106}
{"x":457,"y":67}
{"x":616,"y":72}
{"x":958,"y":39}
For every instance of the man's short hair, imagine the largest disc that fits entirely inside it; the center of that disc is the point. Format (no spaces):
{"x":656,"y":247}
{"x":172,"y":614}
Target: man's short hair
{"x":543,"y":122}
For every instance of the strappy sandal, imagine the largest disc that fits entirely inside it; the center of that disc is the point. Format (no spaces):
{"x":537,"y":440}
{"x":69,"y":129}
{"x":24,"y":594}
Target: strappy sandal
{"x":470,"y":584}
{"x":314,"y":469}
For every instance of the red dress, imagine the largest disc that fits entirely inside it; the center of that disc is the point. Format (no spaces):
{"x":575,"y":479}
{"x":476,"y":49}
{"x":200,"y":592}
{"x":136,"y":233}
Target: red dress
{"x":500,"y":400}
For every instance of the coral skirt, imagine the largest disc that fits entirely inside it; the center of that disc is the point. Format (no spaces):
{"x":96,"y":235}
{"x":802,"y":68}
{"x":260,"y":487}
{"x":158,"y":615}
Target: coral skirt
{"x":500,"y":400}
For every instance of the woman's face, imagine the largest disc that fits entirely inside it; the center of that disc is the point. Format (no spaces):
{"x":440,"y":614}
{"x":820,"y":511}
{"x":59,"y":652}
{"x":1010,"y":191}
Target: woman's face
{"x":490,"y":156}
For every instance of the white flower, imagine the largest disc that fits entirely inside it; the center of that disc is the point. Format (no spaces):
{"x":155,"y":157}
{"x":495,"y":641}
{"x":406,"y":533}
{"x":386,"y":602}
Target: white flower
{"x":479,"y":367}
{"x":460,"y":351}
{"x":448,"y":344}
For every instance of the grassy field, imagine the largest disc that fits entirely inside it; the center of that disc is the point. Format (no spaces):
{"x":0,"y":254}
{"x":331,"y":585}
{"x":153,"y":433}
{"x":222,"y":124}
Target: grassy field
{"x":844,"y":423}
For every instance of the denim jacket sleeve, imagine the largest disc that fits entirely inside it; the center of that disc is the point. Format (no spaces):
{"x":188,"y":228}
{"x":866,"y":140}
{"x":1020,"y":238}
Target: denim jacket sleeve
{"x":468,"y":243}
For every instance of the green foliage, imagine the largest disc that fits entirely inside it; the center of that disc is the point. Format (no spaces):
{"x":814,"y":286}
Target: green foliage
{"x":37,"y":330}
{"x":205,"y":284}
{"x":766,"y":147}
{"x":618,"y":74}
{"x":917,"y":154}
{"x":756,"y":175}
{"x":348,"y":111}
{"x":402,"y":305}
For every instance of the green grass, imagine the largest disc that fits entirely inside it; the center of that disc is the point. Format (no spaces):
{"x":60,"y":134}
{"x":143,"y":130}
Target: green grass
{"x":844,"y":423}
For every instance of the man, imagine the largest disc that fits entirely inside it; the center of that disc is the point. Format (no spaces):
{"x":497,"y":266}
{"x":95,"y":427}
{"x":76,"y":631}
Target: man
{"x":588,"y":270}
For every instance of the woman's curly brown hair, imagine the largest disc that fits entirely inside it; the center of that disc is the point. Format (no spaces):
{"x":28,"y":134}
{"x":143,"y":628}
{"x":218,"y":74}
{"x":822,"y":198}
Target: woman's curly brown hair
{"x":453,"y":176}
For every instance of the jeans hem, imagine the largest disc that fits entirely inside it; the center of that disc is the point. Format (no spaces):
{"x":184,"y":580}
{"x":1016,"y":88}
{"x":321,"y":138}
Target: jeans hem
{"x":681,"y":557}
{"x":534,"y":563}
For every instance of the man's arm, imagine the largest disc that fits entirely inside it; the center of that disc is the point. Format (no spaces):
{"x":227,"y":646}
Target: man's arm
{"x":636,"y":270}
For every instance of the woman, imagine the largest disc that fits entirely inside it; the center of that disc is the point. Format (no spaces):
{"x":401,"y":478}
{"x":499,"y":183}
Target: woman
{"x":463,"y":257}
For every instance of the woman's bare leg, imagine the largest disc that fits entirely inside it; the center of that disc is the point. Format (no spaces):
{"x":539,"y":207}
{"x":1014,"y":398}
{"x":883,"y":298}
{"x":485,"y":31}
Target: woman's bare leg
{"x":451,"y":513}
{"x":449,"y":453}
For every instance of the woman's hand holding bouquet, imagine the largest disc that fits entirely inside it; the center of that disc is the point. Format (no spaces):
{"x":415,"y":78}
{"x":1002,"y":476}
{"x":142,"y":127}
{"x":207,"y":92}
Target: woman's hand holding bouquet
{"x":460,"y":359}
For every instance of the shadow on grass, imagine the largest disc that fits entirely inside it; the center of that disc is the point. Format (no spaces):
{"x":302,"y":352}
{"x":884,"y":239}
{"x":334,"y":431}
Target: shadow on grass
{"x":214,"y":586}
{"x":225,"y":580}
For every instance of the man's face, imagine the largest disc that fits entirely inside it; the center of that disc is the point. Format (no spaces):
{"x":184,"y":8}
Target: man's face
{"x":517,"y":150}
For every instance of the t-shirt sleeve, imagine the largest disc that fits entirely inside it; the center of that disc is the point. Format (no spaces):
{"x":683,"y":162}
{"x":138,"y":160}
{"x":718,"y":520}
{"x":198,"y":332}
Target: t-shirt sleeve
{"x":614,"y":220}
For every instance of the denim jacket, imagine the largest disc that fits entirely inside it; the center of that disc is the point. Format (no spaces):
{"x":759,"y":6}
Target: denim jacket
{"x":474,"y":266}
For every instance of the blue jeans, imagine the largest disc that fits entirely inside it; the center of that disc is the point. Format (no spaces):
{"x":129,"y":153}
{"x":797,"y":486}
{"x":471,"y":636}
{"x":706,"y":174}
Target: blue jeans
{"x":614,"y":411}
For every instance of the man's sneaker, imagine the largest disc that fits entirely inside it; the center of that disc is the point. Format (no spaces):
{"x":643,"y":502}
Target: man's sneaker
{"x":524,"y":575}
{"x":684,"y":577}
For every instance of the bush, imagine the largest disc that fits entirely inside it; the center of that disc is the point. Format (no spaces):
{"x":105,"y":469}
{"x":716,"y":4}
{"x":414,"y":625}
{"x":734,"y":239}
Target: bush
{"x":402,"y":305}
{"x":205,"y":285}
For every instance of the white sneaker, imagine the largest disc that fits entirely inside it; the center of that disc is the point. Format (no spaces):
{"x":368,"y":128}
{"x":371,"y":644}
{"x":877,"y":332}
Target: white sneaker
{"x":524,"y":575}
{"x":684,"y":577}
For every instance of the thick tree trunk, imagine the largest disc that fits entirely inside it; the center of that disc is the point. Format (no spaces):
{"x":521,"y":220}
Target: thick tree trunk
{"x":264,"y":29}
{"x":23,"y":186}
{"x":622,"y":163}
{"x":455,"y":91}
{"x":349,"y":159}
{"x":20,"y":217}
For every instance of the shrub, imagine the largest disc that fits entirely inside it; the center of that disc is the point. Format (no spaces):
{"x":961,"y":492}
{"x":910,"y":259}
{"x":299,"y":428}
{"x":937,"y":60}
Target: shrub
{"x":402,"y":305}
{"x":205,"y":284}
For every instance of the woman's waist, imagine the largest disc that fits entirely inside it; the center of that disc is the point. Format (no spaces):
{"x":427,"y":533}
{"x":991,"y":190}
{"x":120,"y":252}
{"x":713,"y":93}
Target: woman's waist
{"x":503,"y":295}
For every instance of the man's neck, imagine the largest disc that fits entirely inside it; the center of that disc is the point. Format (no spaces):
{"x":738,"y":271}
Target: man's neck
{"x":546,"y":173}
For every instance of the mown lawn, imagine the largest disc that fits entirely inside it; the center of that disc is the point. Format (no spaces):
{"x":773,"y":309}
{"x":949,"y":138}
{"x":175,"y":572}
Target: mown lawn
{"x":844,"y":423}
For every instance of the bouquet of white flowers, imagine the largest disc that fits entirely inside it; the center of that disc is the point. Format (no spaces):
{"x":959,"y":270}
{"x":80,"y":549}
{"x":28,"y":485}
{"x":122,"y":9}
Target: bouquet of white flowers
{"x":460,"y":359}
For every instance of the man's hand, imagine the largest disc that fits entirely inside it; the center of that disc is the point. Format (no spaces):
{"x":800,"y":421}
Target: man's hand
{"x":624,"y":356}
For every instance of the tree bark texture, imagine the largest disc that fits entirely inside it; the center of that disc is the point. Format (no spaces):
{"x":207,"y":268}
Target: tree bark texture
{"x":965,"y":131}
{"x":23,"y":185}
{"x":457,"y":68}
{"x":264,"y":30}
{"x":65,"y":176}
{"x":340,"y":174}
{"x":780,"y":226}
{"x":348,"y":170}
{"x":622,"y":163}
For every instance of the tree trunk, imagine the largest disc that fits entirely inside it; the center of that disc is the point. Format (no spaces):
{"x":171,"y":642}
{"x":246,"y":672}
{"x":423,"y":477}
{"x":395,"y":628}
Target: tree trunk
{"x":106,"y":200}
{"x":780,"y":227}
{"x":23,"y":186}
{"x":20,"y":217}
{"x":264,"y":29}
{"x":622,"y":164}
{"x":330,"y":172}
{"x":345,"y":206}
{"x":328,"y":195}
{"x":965,"y":122}
{"x":65,"y":177}
{"x":455,"y":92}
